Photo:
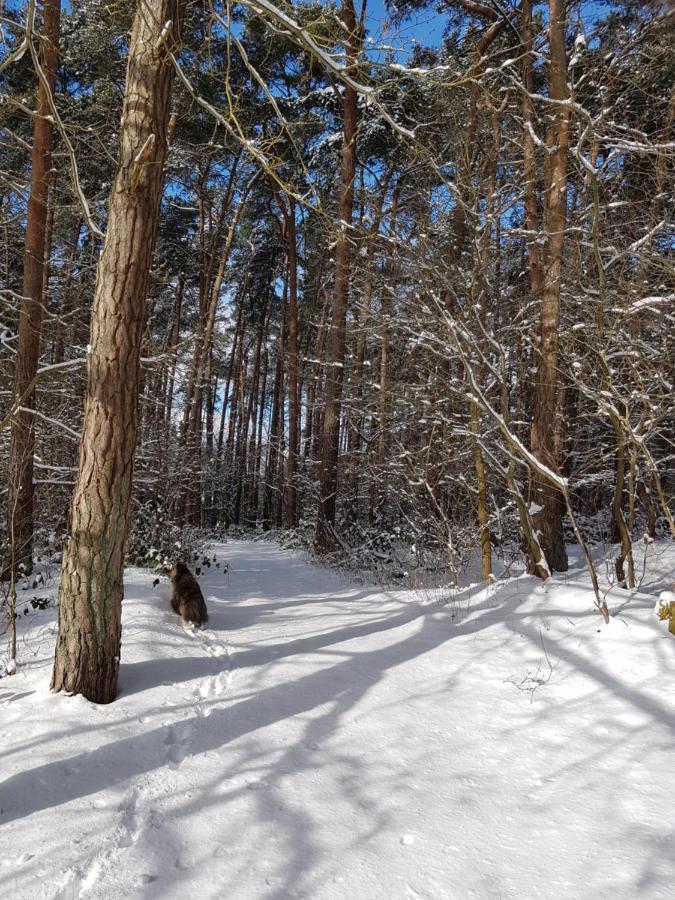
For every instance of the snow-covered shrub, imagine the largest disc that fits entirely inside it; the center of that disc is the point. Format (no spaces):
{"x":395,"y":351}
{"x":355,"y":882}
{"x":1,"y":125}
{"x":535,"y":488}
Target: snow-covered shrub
{"x":156,"y":542}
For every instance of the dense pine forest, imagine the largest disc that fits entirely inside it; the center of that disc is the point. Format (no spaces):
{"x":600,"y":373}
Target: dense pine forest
{"x":393,"y":282}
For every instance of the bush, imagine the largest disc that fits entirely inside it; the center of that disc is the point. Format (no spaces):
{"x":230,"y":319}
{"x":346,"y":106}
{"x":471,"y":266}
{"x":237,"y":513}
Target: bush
{"x":155,"y":542}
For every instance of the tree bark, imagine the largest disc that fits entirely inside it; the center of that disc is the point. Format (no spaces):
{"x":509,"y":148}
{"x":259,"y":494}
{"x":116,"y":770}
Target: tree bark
{"x":529,"y":161}
{"x":276,"y":425}
{"x":293,"y":398}
{"x":247,"y":421}
{"x":204,"y":337}
{"x":335,"y":356}
{"x":67,"y":296}
{"x":481,"y":282}
{"x":21,"y":493}
{"x":361,"y":323}
{"x":89,"y":640}
{"x":313,"y":382}
{"x":548,"y":518}
{"x":626,"y":552}
{"x":257,"y":456}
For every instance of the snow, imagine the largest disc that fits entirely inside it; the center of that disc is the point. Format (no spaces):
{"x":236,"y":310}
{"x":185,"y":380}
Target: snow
{"x":326,"y":740}
{"x":652,"y":301}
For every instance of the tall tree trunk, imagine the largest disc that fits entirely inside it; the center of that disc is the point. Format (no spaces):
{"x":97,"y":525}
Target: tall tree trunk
{"x":21,"y":495}
{"x":88,"y":645}
{"x":464,"y":164}
{"x":67,"y":296}
{"x":238,"y":331}
{"x":361,"y":323}
{"x":626,"y":551}
{"x":257,"y":459}
{"x":208,"y":477}
{"x":248,"y":422}
{"x":174,"y":341}
{"x":293,"y":399}
{"x":236,"y":403}
{"x":482,"y":494}
{"x":529,"y":161}
{"x":204,"y":337}
{"x":191,"y":444}
{"x":276,"y":423}
{"x":335,"y":356}
{"x":549,"y":503}
{"x":382,"y":399}
{"x":313,"y":381}
{"x":481,"y":285}
{"x":251,"y":468}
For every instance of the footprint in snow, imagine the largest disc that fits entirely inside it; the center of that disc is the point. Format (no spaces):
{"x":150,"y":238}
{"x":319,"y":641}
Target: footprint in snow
{"x":177,"y":741}
{"x":130,"y":823}
{"x":212,"y":687}
{"x":185,"y":860}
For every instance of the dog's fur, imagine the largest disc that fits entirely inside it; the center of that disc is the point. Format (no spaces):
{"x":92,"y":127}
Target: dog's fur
{"x":186,"y":597}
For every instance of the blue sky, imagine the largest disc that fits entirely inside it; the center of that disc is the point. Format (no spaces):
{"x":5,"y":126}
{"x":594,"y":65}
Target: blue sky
{"x":427,"y":26}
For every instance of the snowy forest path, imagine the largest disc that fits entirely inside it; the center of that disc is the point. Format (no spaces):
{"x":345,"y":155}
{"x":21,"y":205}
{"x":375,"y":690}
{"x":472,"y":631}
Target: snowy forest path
{"x":260,"y":671}
{"x":326,"y":740}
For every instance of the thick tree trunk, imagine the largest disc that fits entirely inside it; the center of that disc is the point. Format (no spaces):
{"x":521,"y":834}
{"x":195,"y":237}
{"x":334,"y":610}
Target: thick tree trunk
{"x":335,"y":356}
{"x":20,"y":499}
{"x":549,"y":503}
{"x":88,"y":646}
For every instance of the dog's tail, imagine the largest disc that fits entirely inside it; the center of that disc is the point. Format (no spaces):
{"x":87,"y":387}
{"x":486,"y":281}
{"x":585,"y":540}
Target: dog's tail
{"x":194,"y":611}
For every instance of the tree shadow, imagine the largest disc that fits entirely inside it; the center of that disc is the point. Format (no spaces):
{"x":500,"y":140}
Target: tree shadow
{"x":125,"y":759}
{"x":330,"y":694}
{"x":141,"y":676}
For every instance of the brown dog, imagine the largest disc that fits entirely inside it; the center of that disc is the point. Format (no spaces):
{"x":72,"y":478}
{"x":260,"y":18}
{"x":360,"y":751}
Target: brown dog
{"x":186,"y":597}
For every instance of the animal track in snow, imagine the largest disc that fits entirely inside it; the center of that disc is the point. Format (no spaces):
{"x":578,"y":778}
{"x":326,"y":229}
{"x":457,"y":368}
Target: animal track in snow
{"x":178,"y":742}
{"x":77,"y":881}
{"x":212,"y":686}
{"x":135,"y":816}
{"x":129,"y":823}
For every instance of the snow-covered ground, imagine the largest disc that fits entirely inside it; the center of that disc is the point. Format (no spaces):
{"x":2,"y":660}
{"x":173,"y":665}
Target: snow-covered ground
{"x":322,"y":740}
